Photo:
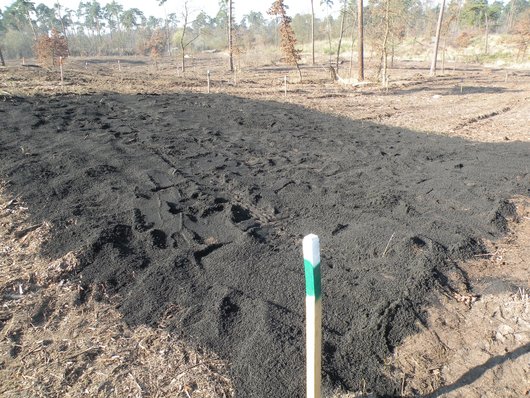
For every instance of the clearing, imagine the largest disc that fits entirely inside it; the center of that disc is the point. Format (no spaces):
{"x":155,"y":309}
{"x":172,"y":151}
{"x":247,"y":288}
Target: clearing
{"x":182,"y":213}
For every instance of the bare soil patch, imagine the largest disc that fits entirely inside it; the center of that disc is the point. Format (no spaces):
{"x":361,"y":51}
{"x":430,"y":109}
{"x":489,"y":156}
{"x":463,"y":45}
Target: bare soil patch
{"x":478,"y":349}
{"x":187,"y":203}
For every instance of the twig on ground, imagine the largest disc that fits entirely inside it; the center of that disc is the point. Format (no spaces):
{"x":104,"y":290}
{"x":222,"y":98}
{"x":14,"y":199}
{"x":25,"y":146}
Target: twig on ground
{"x":388,"y":244}
{"x":25,"y":231}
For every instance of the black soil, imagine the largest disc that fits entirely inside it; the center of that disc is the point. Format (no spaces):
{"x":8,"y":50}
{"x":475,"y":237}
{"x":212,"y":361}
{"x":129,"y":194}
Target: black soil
{"x":199,"y":203}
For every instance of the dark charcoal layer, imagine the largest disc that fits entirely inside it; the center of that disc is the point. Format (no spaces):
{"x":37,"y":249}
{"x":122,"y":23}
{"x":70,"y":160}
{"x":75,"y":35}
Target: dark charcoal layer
{"x":201,"y":201}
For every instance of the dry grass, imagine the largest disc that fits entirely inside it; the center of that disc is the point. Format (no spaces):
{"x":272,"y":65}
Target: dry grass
{"x":51,"y":345}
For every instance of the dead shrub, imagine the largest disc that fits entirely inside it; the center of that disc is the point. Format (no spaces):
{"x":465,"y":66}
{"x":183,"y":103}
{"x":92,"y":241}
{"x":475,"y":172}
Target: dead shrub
{"x":48,"y":49}
{"x":463,"y":39}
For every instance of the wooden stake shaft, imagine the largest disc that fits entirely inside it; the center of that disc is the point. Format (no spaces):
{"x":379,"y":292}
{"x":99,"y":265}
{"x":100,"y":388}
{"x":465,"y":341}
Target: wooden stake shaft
{"x":208,"y":80}
{"x":313,"y":346}
{"x":61,"y":68}
{"x":311,"y":249}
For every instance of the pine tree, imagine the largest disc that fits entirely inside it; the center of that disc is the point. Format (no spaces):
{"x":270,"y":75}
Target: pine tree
{"x":288,"y":38}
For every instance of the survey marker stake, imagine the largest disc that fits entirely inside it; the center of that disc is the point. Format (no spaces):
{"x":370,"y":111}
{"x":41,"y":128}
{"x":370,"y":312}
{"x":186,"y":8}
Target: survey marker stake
{"x":61,"y":69}
{"x":313,"y":311}
{"x":208,"y":81}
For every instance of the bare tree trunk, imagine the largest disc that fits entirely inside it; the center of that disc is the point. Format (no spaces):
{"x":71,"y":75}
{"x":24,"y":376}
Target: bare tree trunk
{"x":32,"y":27}
{"x":443,"y":56}
{"x":99,"y":39}
{"x":62,"y":22}
{"x":230,"y":35}
{"x":487,"y":34}
{"x":299,"y":72}
{"x":352,"y":42}
{"x":329,"y":36}
{"x":168,"y":38}
{"x":509,"y":21}
{"x":182,"y":61}
{"x":312,"y":34}
{"x":360,"y":55}
{"x":182,"y":44}
{"x":384,"y":55}
{"x":340,"y":37}
{"x":2,"y":58}
{"x":437,"y":40}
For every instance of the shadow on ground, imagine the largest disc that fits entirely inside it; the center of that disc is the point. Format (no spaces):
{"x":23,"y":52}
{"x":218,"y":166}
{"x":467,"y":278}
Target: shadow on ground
{"x":474,"y":374}
{"x":196,"y":204}
{"x":456,"y":90}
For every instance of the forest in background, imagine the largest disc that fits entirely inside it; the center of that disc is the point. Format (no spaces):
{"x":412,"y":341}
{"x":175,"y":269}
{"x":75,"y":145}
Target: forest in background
{"x":393,"y":27}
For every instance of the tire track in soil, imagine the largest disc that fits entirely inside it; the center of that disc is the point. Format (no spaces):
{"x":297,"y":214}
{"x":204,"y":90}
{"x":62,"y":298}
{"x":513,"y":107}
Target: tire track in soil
{"x":483,"y":117}
{"x":200,"y":201}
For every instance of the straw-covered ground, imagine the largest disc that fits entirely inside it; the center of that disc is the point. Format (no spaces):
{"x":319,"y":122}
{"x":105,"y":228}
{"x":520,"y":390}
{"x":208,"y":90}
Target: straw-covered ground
{"x":52,"y":346}
{"x":151,"y":231}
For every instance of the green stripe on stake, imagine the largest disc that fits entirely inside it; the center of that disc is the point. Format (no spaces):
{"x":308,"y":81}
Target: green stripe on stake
{"x":313,"y":312}
{"x":312,"y":279}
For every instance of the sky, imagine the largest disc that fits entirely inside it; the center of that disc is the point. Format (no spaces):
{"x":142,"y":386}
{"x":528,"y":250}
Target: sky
{"x":241,"y":7}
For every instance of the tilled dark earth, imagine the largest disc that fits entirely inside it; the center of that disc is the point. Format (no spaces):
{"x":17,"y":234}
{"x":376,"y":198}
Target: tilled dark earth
{"x":196,"y":205}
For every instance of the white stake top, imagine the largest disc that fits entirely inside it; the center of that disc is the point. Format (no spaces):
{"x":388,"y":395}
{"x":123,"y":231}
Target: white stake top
{"x":311,"y":248}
